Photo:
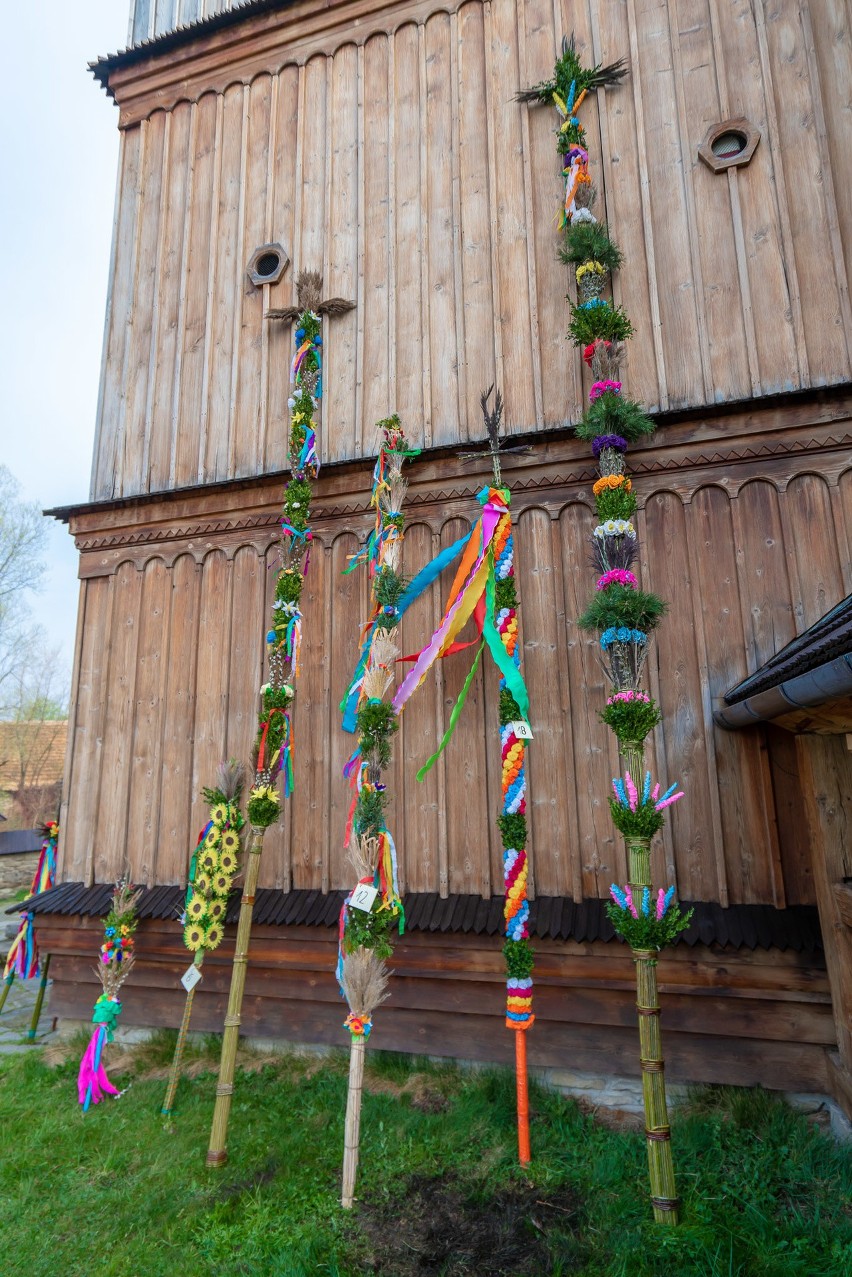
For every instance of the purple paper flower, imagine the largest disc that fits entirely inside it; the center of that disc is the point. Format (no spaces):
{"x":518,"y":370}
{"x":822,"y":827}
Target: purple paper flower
{"x":608,"y":441}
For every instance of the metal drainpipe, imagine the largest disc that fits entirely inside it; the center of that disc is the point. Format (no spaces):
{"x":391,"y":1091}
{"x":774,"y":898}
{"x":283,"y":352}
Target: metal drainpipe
{"x":824,"y":683}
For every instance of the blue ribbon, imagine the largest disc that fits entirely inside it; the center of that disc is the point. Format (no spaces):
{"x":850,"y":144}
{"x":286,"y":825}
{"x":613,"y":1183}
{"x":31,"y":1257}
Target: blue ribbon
{"x":421,"y":582}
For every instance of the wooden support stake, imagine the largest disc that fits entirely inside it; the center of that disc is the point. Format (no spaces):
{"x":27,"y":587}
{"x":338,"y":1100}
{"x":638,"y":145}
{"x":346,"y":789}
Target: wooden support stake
{"x":217,"y":1154}
{"x":180,"y":1045}
{"x":352,"y":1134}
{"x":31,"y":1031}
{"x":7,"y":984}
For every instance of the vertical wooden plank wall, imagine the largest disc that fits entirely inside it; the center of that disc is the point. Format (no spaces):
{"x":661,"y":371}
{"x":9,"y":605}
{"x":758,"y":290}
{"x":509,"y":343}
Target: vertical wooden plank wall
{"x":392,"y":156}
{"x":171,"y":658}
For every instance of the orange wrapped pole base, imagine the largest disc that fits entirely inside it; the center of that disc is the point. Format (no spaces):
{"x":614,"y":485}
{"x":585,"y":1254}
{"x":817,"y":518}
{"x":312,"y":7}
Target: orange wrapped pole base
{"x":523,"y":1097}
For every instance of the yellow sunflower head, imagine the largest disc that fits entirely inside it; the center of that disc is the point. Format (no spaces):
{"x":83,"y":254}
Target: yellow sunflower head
{"x":196,"y":908}
{"x":202,"y":884}
{"x":216,"y":911}
{"x":230,"y":841}
{"x":219,"y":813}
{"x":227,"y":863}
{"x":209,"y":861}
{"x":193,"y":937}
{"x":234,"y":815}
{"x":222,"y":884}
{"x":212,"y":839}
{"x":213,"y":938}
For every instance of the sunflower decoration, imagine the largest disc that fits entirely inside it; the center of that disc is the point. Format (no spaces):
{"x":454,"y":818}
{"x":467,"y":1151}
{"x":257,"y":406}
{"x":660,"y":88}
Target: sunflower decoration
{"x":194,"y":937}
{"x":213,"y":938}
{"x":228,"y":863}
{"x":209,"y":861}
{"x":221,"y":884}
{"x":197,"y":907}
{"x":214,"y":862}
{"x":230,"y":842}
{"x":202,"y":884}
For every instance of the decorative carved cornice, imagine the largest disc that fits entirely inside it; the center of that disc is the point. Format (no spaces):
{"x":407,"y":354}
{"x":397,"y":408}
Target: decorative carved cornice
{"x":542,"y":476}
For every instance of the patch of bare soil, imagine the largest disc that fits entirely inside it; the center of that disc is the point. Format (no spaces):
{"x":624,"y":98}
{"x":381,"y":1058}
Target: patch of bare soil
{"x":424,"y":1095}
{"x":441,"y":1227}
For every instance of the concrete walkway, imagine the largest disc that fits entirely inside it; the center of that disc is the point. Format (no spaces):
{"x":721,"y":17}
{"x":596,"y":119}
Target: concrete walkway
{"x":17,"y":1014}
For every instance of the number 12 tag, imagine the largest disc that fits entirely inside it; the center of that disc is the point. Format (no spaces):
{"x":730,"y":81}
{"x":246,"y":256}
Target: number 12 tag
{"x":522,"y":730}
{"x":363,"y":897}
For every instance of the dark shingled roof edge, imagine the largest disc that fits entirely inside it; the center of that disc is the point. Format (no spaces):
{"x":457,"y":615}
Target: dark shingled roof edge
{"x":739,"y":926}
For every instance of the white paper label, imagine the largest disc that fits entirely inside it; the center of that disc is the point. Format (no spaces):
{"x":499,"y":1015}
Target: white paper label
{"x":363,"y":897}
{"x":522,"y":730}
{"x":190,"y":977}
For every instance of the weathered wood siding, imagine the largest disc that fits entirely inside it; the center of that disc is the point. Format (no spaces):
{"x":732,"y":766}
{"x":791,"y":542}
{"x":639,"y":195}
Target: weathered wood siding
{"x":731,"y":1016}
{"x":743,"y":524}
{"x":380,"y":143}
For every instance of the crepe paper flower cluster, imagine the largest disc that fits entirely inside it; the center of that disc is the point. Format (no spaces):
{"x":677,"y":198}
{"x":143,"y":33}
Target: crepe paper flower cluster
{"x":639,"y":816}
{"x":631,"y":715}
{"x":652,"y":924}
{"x":116,"y":960}
{"x":611,"y":481}
{"x":589,"y":268}
{"x":622,"y":634}
{"x":22,"y":959}
{"x":615,"y":528}
{"x":616,"y":576}
{"x":607,"y":387}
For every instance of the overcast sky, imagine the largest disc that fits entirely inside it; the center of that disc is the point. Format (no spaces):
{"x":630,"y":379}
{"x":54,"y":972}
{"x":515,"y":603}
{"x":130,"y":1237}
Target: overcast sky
{"x":58,"y":152}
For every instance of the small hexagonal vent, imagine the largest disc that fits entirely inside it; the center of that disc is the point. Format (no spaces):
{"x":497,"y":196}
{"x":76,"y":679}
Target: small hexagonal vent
{"x":729,"y":144}
{"x":267,"y":264}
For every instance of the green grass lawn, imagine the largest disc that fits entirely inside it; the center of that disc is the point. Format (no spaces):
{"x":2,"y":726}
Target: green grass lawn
{"x":114,"y":1194}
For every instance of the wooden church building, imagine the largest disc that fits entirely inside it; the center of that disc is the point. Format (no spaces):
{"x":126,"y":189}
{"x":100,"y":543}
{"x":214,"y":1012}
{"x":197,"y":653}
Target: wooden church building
{"x":380,"y":142}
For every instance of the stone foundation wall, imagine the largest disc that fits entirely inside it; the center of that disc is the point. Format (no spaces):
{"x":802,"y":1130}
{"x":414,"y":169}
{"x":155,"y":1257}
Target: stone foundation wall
{"x":17,"y":870}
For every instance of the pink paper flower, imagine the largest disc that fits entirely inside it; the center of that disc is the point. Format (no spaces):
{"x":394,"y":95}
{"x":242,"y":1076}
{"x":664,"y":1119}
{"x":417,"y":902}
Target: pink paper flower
{"x":616,"y":576}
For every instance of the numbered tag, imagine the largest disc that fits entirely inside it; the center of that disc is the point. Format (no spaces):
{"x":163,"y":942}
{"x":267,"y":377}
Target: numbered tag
{"x":363,"y":897}
{"x":190,"y":978}
{"x":522,"y":730}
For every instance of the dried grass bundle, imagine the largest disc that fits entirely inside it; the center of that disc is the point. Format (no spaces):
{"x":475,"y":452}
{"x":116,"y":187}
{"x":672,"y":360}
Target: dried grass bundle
{"x":364,"y":854}
{"x":606,"y":360}
{"x":365,"y":982}
{"x":380,"y":671}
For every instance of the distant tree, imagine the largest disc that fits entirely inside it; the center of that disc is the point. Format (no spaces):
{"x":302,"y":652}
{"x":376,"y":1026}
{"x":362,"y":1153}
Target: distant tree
{"x":23,"y":535}
{"x":32,"y":731}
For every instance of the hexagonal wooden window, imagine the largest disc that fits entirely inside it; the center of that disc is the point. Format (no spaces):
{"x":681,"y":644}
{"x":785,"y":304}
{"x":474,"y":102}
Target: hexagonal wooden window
{"x":729,"y":144}
{"x":267,"y":264}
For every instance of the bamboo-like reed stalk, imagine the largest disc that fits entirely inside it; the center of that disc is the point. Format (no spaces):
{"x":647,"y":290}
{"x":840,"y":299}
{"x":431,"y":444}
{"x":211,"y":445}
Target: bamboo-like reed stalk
{"x":217,"y":1151}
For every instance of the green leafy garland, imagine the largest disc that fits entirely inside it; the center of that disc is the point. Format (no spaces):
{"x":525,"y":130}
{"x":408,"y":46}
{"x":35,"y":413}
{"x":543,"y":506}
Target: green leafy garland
{"x":273,"y":746}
